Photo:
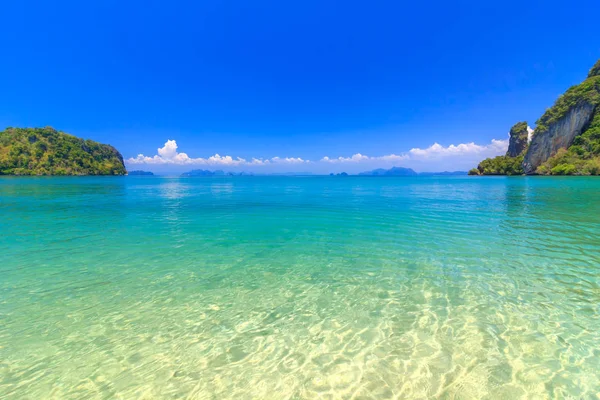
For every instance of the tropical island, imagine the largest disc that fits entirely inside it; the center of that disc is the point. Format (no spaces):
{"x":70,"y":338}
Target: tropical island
{"x":400,"y":171}
{"x":46,"y":151}
{"x":566,"y":140}
{"x":140,"y":173}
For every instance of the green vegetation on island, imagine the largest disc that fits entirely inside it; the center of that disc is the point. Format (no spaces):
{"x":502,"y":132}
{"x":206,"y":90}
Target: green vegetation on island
{"x":595,"y":70}
{"x":501,"y":165}
{"x":46,"y":151}
{"x":586,"y":92}
{"x":512,"y":162}
{"x":566,"y":140}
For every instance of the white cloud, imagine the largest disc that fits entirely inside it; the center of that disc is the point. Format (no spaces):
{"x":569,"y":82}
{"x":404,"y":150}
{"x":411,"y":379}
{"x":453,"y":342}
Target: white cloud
{"x":289,"y":160}
{"x":169,"y":150}
{"x":355,"y":158}
{"x":168,"y":155}
{"x":435,"y":157}
{"x":529,"y":134}
{"x":496,"y":147}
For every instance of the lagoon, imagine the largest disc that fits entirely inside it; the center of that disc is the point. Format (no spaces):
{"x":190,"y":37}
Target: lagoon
{"x":299,"y":287}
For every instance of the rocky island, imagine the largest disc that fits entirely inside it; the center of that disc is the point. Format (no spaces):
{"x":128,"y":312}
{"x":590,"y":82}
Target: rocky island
{"x":140,"y":173}
{"x":566,"y":140}
{"x":46,"y":151}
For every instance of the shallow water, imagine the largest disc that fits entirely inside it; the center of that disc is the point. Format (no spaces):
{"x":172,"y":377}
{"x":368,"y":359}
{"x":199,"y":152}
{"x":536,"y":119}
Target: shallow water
{"x":299,"y":288}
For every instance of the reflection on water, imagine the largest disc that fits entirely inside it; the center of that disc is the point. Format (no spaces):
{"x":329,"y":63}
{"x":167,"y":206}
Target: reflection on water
{"x":254,"y":287}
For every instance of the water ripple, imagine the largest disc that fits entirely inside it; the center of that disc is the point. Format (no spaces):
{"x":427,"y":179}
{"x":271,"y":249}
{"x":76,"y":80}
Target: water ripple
{"x":286,"y":288}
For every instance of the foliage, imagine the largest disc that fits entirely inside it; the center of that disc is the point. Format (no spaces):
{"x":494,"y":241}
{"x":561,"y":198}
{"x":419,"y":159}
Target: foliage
{"x":582,"y":158}
{"x":586,"y":92}
{"x":591,"y":167}
{"x":501,"y":165}
{"x":564,"y":169}
{"x":595,"y":71}
{"x":474,"y":171}
{"x":45,"y":151}
{"x":519,"y":129}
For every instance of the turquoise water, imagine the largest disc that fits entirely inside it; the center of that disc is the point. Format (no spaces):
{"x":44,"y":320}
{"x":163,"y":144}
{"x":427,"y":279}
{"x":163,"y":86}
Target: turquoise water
{"x":299,"y":288}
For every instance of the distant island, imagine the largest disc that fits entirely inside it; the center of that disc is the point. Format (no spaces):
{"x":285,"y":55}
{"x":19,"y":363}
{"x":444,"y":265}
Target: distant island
{"x":46,"y":151}
{"x":566,"y":140}
{"x":203,"y":172}
{"x":141,"y":173}
{"x":394,"y":171}
{"x":400,"y":171}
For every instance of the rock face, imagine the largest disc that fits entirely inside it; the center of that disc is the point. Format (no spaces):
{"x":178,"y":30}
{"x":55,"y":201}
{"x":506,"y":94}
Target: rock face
{"x":518,"y":139}
{"x":559,"y":135}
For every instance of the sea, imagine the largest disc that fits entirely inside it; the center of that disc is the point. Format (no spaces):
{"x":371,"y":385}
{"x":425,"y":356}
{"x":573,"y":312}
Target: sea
{"x":267,"y":287}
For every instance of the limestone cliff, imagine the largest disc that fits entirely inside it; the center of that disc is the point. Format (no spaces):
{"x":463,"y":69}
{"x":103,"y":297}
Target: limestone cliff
{"x":559,"y":135}
{"x":518,"y":139}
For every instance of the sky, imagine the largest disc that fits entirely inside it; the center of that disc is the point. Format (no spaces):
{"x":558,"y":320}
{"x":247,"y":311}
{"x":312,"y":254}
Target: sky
{"x":311,"y":86}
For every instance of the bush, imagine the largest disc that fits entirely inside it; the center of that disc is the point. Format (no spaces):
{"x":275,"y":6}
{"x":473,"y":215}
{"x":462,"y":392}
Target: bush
{"x":564,"y":169}
{"x":595,"y":71}
{"x":592,"y":167}
{"x":501,"y":165}
{"x":543,"y":170}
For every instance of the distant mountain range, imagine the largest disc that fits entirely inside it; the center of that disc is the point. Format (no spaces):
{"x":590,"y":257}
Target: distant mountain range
{"x":203,"y":172}
{"x":399,"y":171}
{"x":394,"y":171}
{"x":138,"y":172}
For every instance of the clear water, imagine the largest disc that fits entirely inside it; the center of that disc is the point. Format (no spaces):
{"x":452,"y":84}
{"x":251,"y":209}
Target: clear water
{"x":299,"y":288}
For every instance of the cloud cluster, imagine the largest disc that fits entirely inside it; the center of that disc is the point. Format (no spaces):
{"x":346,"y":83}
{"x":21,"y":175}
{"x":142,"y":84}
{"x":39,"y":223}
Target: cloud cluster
{"x":496,"y":147}
{"x":168,"y":154}
{"x":459,"y":155}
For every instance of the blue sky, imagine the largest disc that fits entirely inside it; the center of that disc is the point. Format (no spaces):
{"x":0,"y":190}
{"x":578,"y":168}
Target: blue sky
{"x":284,"y":81}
